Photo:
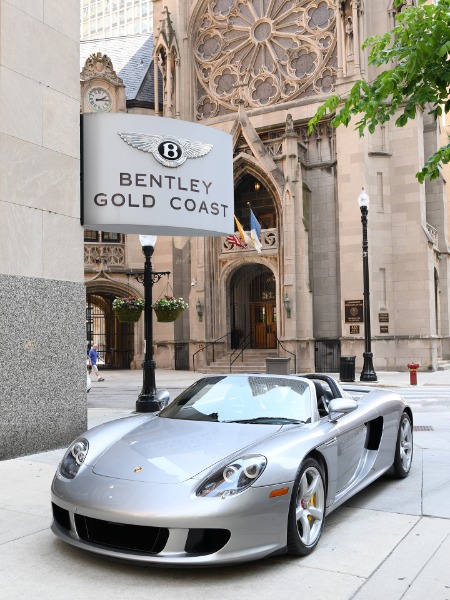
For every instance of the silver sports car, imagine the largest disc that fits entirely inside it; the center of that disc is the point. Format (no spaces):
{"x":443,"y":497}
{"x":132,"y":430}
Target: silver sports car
{"x":236,"y":468}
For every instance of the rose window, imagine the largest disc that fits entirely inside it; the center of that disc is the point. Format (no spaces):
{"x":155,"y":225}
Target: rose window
{"x":262,"y":52}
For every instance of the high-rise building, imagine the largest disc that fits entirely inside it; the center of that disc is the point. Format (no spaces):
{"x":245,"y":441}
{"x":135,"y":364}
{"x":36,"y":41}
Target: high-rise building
{"x":113,"y":18}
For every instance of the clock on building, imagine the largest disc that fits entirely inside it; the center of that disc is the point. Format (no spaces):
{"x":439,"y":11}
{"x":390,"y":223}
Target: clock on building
{"x":100,"y":100}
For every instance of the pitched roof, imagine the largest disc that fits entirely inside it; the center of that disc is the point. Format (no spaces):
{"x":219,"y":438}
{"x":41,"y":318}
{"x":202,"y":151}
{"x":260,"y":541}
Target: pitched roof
{"x":132,"y":59}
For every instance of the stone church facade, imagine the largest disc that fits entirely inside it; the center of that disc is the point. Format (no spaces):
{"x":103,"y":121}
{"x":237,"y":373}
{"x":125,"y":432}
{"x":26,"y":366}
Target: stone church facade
{"x":259,"y":69}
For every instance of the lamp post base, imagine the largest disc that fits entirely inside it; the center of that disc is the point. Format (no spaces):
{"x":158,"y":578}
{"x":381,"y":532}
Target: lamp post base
{"x":147,"y":400}
{"x":368,"y":372}
{"x":147,"y":403}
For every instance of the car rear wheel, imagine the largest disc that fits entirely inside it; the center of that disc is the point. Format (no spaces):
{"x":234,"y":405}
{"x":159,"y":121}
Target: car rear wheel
{"x":307,"y":510}
{"x":403,"y":448}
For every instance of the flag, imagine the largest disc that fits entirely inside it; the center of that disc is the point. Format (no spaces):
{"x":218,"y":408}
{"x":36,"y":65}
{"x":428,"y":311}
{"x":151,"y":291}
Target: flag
{"x":255,"y":233}
{"x":244,"y":236}
{"x":235,"y":240}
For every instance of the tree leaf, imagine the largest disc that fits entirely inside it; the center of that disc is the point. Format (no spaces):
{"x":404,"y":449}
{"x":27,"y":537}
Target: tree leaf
{"x":416,"y":74}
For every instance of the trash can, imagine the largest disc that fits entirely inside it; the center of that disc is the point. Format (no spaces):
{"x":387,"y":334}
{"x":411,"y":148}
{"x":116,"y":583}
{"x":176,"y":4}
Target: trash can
{"x":347,"y":368}
{"x":278,"y":366}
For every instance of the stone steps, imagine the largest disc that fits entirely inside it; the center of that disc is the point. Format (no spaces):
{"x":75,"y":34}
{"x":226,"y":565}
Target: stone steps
{"x":252,"y":361}
{"x":443,"y":364}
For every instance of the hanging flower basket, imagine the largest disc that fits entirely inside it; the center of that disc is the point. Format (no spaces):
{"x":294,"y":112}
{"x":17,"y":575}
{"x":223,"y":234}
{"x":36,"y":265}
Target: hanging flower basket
{"x":167,"y":315}
{"x":168,"y":309}
{"x":128,"y":310}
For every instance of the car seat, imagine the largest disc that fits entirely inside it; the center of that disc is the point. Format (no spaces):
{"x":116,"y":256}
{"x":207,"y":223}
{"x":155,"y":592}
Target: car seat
{"x":322,"y":401}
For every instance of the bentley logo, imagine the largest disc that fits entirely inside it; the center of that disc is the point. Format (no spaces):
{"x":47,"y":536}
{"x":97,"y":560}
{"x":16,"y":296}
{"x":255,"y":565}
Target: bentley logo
{"x":138,"y":469}
{"x":169,"y":151}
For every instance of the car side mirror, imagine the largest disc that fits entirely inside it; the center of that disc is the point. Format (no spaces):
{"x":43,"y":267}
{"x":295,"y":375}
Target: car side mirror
{"x":341,"y":406}
{"x":163,"y":397}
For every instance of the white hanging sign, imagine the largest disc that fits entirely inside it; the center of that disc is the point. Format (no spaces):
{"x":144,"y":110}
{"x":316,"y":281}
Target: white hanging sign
{"x":152,"y":175}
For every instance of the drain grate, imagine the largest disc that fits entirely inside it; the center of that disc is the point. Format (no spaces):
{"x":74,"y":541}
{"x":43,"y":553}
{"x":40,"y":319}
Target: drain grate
{"x":423,"y":428}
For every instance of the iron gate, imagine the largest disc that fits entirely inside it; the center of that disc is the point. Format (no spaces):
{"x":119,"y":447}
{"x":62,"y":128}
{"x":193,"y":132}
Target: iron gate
{"x":328,"y":355}
{"x":115,"y":339}
{"x":181,"y":356}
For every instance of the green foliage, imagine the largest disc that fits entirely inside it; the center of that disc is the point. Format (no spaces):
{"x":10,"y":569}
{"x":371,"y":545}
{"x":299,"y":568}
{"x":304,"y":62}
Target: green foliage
{"x":131,"y":302}
{"x":417,"y":54}
{"x":169,"y":302}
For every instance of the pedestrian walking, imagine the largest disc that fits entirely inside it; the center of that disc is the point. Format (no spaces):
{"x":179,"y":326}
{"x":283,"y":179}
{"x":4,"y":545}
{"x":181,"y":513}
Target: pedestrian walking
{"x":93,"y":358}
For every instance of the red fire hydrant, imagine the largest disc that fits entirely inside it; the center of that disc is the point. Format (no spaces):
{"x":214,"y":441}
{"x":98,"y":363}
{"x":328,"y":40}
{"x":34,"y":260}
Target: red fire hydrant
{"x":413,"y":373}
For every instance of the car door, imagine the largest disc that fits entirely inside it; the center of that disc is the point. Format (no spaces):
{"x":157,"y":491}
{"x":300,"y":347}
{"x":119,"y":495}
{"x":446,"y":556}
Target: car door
{"x":351,"y":440}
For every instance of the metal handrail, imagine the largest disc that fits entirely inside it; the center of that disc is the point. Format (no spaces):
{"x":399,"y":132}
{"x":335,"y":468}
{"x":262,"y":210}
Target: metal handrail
{"x":241,"y":353}
{"x":279,"y":343}
{"x":245,"y":343}
{"x":206,"y":346}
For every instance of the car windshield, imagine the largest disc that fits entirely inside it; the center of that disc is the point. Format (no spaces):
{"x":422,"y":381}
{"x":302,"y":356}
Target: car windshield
{"x":244,"y":399}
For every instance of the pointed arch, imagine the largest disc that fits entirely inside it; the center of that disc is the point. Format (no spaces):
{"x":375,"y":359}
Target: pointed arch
{"x":118,"y":342}
{"x":250,"y":314}
{"x":111,"y":286}
{"x":244,"y":164}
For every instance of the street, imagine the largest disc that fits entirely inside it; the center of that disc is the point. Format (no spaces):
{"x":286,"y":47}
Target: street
{"x":391,"y":541}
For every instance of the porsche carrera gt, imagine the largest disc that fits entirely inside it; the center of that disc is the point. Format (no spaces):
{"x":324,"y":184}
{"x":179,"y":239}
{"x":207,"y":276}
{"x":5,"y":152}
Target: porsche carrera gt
{"x":236,"y":468}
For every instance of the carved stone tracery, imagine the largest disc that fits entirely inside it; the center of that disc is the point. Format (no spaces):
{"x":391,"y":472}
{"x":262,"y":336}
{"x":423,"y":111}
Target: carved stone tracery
{"x":262,"y":52}
{"x":100,"y":65}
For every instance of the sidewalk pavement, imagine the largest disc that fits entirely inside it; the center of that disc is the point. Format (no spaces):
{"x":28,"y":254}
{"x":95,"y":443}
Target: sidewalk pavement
{"x":390,"y":542}
{"x":170,"y":379}
{"x":167,"y":378}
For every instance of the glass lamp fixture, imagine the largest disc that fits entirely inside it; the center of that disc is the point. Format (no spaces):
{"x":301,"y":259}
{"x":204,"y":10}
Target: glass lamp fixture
{"x":363,"y":199}
{"x":148,"y":240}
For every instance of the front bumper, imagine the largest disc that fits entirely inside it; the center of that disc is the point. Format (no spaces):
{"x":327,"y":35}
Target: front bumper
{"x":167,"y":524}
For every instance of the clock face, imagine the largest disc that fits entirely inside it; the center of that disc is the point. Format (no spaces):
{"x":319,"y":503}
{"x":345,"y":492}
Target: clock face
{"x":99,"y":99}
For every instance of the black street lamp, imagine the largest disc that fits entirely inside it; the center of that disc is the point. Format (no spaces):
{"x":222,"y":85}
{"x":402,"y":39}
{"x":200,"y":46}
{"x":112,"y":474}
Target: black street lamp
{"x":368,"y":372}
{"x":149,"y":400}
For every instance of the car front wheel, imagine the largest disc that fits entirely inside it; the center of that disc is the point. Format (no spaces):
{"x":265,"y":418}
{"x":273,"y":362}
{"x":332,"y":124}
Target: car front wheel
{"x":403,"y":448}
{"x":307,"y":509}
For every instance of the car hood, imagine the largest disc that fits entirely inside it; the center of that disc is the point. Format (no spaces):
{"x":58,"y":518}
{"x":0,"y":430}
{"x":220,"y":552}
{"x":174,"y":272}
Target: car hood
{"x":172,"y":450}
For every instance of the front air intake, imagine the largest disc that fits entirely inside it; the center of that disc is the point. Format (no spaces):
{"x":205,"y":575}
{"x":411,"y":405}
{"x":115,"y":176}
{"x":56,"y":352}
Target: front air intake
{"x":136,"y":538}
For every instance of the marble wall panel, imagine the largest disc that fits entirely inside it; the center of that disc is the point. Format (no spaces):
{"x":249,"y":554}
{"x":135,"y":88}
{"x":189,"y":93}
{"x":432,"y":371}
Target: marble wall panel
{"x":20,"y":240}
{"x":40,"y":243}
{"x":38,"y":177}
{"x":61,"y":127}
{"x":20,"y":106}
{"x":39,"y":52}
{"x":34,"y":8}
{"x":63,"y":16}
{"x":62,"y":239}
{"x":42,"y":360}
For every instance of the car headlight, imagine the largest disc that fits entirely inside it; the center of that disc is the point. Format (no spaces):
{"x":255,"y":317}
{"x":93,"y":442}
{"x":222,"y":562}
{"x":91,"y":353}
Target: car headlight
{"x":233,"y":478}
{"x":74,"y":458}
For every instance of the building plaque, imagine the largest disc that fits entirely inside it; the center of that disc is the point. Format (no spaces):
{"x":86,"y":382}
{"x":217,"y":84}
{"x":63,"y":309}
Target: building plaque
{"x":384,"y":329}
{"x":354,"y":329}
{"x":383,"y":317}
{"x":354,"y":311}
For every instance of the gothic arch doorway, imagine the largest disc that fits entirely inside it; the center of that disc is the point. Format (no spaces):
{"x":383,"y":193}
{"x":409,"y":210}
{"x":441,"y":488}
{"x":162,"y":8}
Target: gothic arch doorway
{"x":115,"y":339}
{"x":253,"y":307}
